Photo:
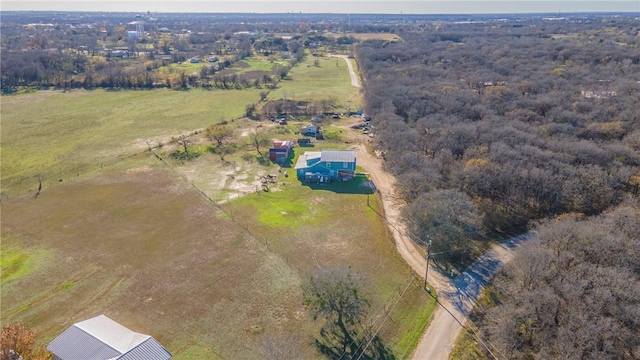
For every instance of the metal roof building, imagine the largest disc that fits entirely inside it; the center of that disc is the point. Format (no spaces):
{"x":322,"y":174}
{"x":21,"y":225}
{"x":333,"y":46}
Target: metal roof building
{"x":338,"y":156}
{"x":326,"y":165}
{"x":101,"y":338}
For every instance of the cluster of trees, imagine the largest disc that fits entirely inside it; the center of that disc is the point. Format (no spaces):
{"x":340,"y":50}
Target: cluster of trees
{"x":525,"y":122}
{"x":44,"y":69}
{"x":78,"y":52}
{"x":80,"y":55}
{"x":492,"y":128}
{"x":572,"y":292}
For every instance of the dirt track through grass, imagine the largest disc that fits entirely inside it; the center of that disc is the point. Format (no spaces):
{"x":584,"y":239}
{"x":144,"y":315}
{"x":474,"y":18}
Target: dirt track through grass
{"x":330,"y":81}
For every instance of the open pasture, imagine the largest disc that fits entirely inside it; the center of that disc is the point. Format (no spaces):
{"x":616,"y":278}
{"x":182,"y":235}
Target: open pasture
{"x":328,"y":81}
{"x":369,"y":36}
{"x":135,"y":238}
{"x":145,"y":248}
{"x":60,"y":135}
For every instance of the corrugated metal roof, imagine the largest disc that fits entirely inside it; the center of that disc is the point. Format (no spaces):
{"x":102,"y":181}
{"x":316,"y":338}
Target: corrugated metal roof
{"x":101,"y":338}
{"x":148,"y":350}
{"x":338,"y":155}
{"x":303,"y":159}
{"x":75,"y":343}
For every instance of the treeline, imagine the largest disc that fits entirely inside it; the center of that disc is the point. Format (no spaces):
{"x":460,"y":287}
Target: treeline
{"x":524,"y":122}
{"x":41,"y":69}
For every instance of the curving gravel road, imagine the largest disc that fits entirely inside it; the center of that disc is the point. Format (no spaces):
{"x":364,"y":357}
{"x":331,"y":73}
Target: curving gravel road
{"x":355,"y":81}
{"x":458,"y":295}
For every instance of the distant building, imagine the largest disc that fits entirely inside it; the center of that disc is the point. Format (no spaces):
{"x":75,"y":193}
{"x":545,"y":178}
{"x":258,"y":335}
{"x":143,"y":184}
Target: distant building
{"x":310,"y":130}
{"x":132,"y":34}
{"x":101,"y":338}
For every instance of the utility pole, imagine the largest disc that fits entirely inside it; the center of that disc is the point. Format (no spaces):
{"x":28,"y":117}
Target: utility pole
{"x":426,"y":270}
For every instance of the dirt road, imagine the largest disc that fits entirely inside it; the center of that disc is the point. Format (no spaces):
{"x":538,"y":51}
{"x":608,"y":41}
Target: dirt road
{"x":456,"y":296}
{"x":355,"y":81}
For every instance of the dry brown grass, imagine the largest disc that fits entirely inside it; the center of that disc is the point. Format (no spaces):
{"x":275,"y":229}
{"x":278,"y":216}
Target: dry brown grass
{"x":149,"y":252}
{"x":139,"y":244}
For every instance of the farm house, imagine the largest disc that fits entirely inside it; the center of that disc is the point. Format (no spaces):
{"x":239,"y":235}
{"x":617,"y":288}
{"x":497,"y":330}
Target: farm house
{"x":102,"y":338}
{"x":280,"y":151}
{"x":326,"y":166}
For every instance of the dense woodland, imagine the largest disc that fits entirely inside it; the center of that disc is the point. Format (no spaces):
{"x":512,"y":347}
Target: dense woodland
{"x":492,"y":127}
{"x":573,"y":292}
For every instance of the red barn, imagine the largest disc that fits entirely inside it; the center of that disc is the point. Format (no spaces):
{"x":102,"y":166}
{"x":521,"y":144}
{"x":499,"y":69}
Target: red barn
{"x":280,"y":151}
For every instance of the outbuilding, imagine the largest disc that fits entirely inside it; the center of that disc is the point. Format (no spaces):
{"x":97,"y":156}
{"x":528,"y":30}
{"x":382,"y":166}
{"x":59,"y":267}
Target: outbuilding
{"x":280,"y":151}
{"x":101,"y":338}
{"x":310,"y":130}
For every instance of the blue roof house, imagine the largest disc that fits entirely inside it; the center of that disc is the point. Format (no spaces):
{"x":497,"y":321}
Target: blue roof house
{"x":326,"y":166}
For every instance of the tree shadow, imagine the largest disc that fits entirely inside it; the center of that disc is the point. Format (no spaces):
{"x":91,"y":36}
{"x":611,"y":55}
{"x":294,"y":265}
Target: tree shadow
{"x":337,"y":342}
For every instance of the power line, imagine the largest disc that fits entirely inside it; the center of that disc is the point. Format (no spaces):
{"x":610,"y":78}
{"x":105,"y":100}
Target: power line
{"x":465,"y":327}
{"x":412,"y":278}
{"x":384,"y":320}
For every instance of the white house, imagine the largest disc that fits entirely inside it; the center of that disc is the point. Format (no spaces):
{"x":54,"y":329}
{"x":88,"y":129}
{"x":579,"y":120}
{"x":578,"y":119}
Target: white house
{"x":101,"y":338}
{"x":310,"y":129}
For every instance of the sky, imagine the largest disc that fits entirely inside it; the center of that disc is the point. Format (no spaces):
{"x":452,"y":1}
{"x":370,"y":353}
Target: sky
{"x":330,"y":6}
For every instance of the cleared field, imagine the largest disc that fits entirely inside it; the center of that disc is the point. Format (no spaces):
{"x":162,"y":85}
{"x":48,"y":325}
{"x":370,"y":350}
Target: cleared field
{"x":145,"y":248}
{"x":135,"y":238}
{"x":369,"y":36}
{"x":60,"y":134}
{"x":328,"y":81}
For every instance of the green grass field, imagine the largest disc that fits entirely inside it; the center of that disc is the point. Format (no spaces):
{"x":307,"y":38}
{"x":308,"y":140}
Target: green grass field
{"x":330,"y":81}
{"x":59,"y":135}
{"x":139,"y":240}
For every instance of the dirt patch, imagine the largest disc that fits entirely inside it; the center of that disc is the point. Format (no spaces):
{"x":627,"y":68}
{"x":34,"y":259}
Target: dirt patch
{"x":255,"y":74}
{"x":241,"y":65}
{"x":227,"y":71}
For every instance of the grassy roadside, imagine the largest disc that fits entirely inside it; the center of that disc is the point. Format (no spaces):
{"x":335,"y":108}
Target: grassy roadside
{"x":467,"y":346}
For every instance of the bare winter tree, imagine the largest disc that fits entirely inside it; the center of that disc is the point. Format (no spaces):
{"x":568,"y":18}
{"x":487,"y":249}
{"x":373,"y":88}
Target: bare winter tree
{"x":218,"y":133}
{"x":184,"y":141}
{"x":337,"y":295}
{"x":258,"y":141}
{"x":446,"y":218}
